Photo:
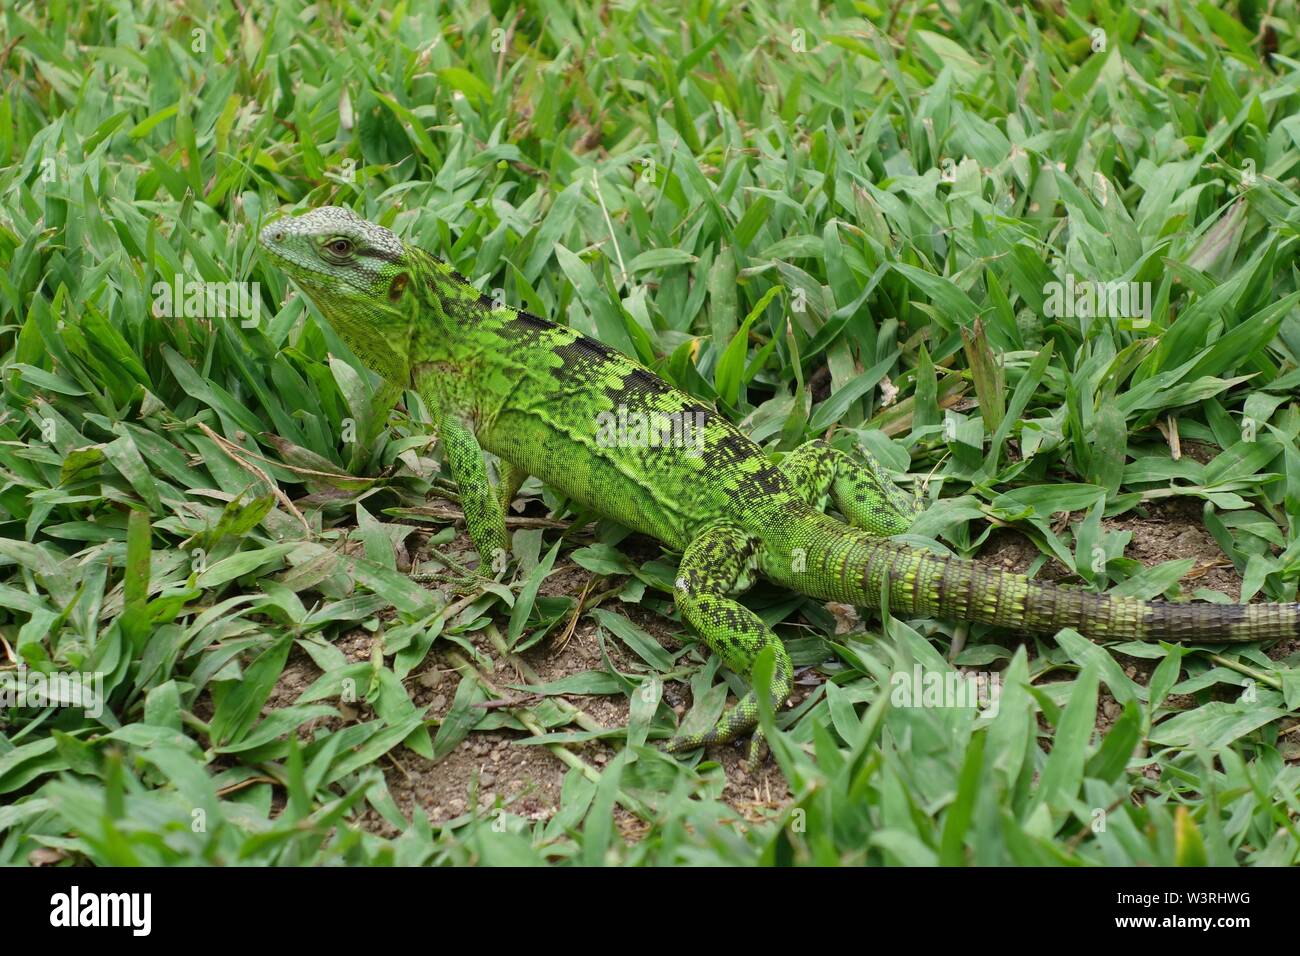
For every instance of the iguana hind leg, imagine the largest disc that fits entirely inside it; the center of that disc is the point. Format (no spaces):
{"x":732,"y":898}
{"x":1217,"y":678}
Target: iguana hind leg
{"x":718,"y":563}
{"x":509,"y":479}
{"x":862,"y":490}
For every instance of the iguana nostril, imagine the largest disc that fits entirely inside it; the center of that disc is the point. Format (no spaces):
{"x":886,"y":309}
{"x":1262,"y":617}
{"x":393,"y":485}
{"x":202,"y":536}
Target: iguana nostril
{"x":279,"y":237}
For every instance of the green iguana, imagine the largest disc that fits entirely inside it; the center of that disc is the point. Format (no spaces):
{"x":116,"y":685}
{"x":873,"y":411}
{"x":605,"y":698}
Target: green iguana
{"x":542,"y":397}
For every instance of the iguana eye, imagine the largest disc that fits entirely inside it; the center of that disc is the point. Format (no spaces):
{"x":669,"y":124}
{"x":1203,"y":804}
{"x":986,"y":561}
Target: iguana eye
{"x":340,"y":247}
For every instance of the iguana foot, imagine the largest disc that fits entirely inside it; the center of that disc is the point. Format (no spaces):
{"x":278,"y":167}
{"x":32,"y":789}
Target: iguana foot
{"x":741,"y":719}
{"x":861,"y":490}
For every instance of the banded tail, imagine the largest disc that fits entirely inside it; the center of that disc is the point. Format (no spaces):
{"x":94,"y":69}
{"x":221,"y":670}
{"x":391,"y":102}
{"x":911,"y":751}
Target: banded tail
{"x":843,"y":564}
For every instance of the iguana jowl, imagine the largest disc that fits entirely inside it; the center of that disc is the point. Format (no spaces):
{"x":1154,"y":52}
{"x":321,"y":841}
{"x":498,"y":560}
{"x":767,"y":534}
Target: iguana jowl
{"x":540,"y":397}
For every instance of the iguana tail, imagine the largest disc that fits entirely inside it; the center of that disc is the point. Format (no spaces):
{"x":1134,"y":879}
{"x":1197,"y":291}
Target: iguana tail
{"x":831,"y":562}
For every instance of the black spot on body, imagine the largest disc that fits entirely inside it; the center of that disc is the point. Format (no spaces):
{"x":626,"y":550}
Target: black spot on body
{"x":581,"y":353}
{"x":642,"y":381}
{"x":525,"y":329}
{"x":768,"y":480}
{"x":530,"y":321}
{"x":727,"y":451}
{"x":730,"y":450}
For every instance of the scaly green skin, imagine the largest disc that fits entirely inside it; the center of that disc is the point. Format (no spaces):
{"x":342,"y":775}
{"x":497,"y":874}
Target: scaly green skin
{"x":544,"y":399}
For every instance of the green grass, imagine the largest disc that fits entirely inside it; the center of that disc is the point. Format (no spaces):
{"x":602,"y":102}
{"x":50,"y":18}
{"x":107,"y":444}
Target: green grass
{"x":840,"y":221}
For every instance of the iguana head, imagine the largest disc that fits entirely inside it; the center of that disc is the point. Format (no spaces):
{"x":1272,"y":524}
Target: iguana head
{"x":347,"y":265}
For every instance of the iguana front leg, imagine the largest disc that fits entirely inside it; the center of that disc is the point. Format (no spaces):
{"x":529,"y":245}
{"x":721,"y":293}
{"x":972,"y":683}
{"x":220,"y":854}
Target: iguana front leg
{"x":862,"y":491}
{"x":484,"y":513}
{"x":479,"y":500}
{"x":716,"y":564}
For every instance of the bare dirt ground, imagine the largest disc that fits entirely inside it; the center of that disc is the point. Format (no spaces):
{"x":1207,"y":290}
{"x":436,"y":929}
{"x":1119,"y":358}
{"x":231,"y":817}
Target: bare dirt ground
{"x":494,"y":765}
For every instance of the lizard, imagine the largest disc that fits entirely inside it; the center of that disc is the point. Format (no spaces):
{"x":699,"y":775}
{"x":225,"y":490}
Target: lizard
{"x":541,"y":398}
